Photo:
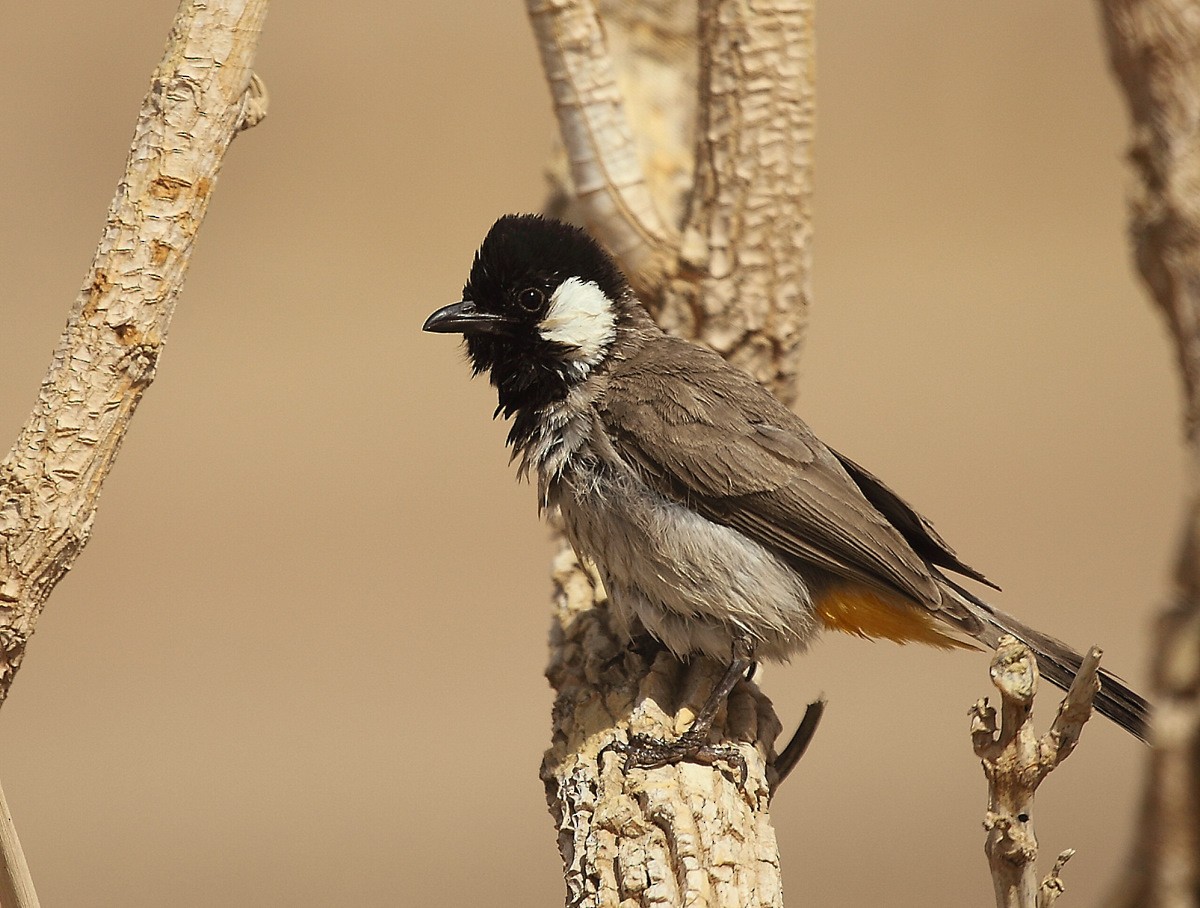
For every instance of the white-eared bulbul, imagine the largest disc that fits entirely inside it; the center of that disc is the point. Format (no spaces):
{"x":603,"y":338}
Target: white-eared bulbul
{"x":719,"y":522}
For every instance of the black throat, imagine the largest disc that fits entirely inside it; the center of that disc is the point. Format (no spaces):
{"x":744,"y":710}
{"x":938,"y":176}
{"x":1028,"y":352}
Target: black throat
{"x":527,"y":377}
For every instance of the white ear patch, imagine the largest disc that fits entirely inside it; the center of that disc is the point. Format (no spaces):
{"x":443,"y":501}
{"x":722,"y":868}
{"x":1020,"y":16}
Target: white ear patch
{"x":580,"y":318}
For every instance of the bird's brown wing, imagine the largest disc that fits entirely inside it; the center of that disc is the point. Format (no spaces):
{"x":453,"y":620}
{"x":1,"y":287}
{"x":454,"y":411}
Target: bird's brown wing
{"x":916,"y":530}
{"x":709,"y":436}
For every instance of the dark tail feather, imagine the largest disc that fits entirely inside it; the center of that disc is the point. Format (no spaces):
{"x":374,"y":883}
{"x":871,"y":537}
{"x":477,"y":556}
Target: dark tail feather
{"x":1058,"y":663}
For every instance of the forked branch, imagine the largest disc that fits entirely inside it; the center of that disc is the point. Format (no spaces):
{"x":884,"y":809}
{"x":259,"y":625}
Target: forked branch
{"x":1015,"y":761}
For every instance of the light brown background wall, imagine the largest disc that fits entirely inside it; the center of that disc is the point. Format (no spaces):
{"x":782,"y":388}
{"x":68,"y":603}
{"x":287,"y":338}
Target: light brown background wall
{"x":300,"y":662}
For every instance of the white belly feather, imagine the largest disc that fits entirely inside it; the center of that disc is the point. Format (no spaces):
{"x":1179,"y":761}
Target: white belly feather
{"x":693,"y":584}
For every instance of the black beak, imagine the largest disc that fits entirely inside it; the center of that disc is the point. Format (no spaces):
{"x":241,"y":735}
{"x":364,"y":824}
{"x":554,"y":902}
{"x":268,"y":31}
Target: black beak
{"x":464,"y":318}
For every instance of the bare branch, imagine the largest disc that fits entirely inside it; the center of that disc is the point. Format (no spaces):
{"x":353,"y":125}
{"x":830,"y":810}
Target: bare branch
{"x":984,"y":730}
{"x":1073,"y":712}
{"x":1015,"y":761}
{"x":1154,"y":48}
{"x":51,"y":479}
{"x":673,"y":835}
{"x":605,"y":169}
{"x":16,"y":884}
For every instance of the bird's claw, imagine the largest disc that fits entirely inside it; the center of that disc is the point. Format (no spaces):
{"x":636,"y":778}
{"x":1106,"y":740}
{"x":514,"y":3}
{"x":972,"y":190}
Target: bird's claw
{"x":646,"y":752}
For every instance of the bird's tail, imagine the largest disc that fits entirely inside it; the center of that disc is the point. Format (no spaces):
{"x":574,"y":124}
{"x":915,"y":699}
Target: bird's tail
{"x":1057,"y":662}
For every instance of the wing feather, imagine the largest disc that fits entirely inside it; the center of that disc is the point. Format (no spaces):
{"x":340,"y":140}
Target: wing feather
{"x":706,"y":434}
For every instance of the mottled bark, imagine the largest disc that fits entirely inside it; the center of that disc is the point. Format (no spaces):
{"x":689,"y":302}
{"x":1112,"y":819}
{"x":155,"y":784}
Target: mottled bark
{"x":51,"y":479}
{"x":608,"y":183}
{"x":743,"y":279}
{"x":677,"y":835}
{"x":1154,"y":47}
{"x":738,"y":281}
{"x":201,"y":95}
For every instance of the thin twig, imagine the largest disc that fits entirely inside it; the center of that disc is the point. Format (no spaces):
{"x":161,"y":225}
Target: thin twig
{"x":16,"y":885}
{"x":1073,"y":712}
{"x":1052,"y":886}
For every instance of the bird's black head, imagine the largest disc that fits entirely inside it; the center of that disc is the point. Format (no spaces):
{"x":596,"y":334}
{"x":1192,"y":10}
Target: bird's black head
{"x":539,"y":311}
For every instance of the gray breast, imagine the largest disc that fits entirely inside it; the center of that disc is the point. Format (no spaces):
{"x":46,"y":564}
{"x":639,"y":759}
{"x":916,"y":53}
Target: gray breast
{"x":693,"y":584}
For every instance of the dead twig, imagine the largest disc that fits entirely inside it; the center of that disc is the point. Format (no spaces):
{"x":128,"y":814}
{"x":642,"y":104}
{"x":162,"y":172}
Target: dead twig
{"x":1015,"y":761}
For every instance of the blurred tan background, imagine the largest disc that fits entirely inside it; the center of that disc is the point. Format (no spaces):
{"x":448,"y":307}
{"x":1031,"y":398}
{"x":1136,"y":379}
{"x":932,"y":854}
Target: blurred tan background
{"x":300,"y":661}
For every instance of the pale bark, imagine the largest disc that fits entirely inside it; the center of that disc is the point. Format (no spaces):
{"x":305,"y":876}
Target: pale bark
{"x":201,"y":95}
{"x":606,"y":174}
{"x":1052,"y":886}
{"x":684,"y":834}
{"x":1016,"y":761}
{"x":16,"y":884}
{"x":743,"y":281}
{"x":1154,"y":47}
{"x":106,"y":357}
{"x":738,"y":281}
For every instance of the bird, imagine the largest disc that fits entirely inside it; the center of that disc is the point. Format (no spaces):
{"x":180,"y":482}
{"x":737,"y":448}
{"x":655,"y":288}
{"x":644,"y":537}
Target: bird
{"x":720,"y":524}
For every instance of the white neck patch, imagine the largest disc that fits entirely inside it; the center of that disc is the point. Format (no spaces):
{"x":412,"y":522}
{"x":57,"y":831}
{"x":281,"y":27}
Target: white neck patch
{"x":582,"y":319}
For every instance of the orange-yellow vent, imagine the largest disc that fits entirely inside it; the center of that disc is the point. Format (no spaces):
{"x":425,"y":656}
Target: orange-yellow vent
{"x":856,"y":609}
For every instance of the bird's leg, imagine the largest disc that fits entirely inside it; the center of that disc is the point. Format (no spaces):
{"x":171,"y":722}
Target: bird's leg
{"x":645,"y":752}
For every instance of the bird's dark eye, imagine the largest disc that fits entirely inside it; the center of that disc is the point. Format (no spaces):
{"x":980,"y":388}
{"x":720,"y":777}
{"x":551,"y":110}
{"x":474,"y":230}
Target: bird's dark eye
{"x":531,"y":298}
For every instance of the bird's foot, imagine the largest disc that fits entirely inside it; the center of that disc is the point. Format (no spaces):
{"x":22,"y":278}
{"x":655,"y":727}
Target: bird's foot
{"x":646,"y":752}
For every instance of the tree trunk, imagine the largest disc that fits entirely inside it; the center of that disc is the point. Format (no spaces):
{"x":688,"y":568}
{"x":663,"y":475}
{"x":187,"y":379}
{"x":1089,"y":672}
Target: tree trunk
{"x":1154,"y":48}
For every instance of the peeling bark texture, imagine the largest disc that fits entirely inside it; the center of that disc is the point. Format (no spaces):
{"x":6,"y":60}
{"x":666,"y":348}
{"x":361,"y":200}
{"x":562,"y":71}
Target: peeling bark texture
{"x":726,"y":152}
{"x":641,"y":110}
{"x":652,"y":45}
{"x":50,"y":481}
{"x":1154,"y":49}
{"x":1015,"y":761}
{"x":609,"y":185}
{"x":677,"y":835}
{"x":745,"y":255}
